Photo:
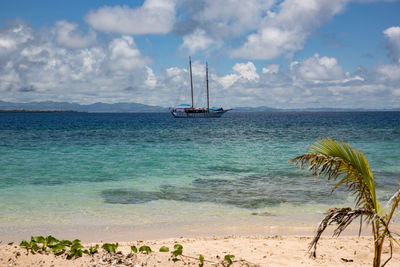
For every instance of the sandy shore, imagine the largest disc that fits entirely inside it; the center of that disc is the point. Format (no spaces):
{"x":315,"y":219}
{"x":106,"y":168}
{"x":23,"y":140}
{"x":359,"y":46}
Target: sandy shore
{"x":248,"y":251}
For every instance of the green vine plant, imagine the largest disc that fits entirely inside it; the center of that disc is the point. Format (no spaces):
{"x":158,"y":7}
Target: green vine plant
{"x":134,"y":249}
{"x":110,"y":247}
{"x":164,"y":249}
{"x":178,"y":252}
{"x":74,"y":249}
{"x":93,"y":250}
{"x":40,"y":244}
{"x":145,"y":249}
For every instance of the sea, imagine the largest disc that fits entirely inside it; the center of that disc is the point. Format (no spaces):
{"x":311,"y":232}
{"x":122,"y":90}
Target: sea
{"x":133,"y":175}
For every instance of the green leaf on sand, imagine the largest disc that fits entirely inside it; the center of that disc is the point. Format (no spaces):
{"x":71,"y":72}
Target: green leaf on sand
{"x":164,"y":249}
{"x":145,"y":249}
{"x":178,"y":249}
{"x":134,"y":249}
{"x":110,"y":247}
{"x":201,"y":259}
{"x":228,"y":259}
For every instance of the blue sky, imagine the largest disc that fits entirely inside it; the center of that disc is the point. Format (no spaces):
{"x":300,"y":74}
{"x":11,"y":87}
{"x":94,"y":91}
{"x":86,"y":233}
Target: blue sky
{"x":283,"y":54}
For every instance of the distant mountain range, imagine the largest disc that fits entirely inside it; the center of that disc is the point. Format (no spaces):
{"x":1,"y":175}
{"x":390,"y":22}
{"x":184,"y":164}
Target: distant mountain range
{"x":96,"y":107}
{"x":139,"y":108}
{"x":327,"y":109}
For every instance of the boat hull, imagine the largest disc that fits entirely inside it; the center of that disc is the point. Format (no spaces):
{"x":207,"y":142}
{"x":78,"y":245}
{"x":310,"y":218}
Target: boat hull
{"x":211,"y":114}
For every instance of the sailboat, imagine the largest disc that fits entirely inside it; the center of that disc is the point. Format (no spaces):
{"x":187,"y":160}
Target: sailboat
{"x":190,"y":111}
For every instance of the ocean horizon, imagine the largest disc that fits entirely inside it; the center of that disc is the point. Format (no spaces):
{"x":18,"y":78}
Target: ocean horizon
{"x":136,"y":171}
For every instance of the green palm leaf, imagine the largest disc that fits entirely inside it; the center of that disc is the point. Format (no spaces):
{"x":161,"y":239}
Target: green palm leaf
{"x":336,"y":160}
{"x":339,"y":161}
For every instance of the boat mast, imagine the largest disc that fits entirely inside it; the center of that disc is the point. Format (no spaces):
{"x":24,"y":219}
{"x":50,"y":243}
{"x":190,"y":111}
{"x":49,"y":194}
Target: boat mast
{"x":191,"y":80}
{"x":208,"y":94}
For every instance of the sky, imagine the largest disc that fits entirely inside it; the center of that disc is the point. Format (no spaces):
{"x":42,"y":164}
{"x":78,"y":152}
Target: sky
{"x":280,"y":54}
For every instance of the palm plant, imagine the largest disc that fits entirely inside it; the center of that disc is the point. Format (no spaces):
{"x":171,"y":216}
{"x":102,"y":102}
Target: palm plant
{"x":338,"y":161}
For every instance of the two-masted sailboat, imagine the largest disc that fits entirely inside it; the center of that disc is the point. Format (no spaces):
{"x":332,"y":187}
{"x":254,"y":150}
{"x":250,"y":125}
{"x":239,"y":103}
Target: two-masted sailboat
{"x":190,"y":111}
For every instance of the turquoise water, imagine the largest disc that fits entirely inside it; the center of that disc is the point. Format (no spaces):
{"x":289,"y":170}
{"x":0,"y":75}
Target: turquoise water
{"x":142,"y":169}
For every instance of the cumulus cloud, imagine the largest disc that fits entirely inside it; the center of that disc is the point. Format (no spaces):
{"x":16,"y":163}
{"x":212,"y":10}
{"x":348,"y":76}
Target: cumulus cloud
{"x":151,"y":80}
{"x":13,"y":36}
{"x":197,"y":40}
{"x":285,"y":31}
{"x":229,"y":19}
{"x":318,"y":68}
{"x":317,"y":81}
{"x":67,"y":34}
{"x":393,"y":44}
{"x":245,"y":71}
{"x":271,"y":68}
{"x":153,"y":17}
{"x":124,"y":55}
{"x":37,"y":66}
{"x":387,"y":76}
{"x":211,"y":22}
{"x":389,"y":72}
{"x":40,"y":69}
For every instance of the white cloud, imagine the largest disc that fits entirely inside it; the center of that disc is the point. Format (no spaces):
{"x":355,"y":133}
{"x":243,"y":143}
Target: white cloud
{"x":68,"y":36}
{"x":151,"y":80}
{"x":246,"y":70}
{"x":40,"y":69}
{"x":13,"y":37}
{"x":153,"y":17}
{"x":197,"y":40}
{"x":211,"y":22}
{"x":287,"y":30}
{"x":242,"y":71}
{"x":223,"y":19}
{"x":390,"y":73}
{"x":271,"y":69}
{"x":124,"y":55}
{"x":318,"y":68}
{"x":36,"y":67}
{"x":393,"y":44}
{"x":317,"y":81}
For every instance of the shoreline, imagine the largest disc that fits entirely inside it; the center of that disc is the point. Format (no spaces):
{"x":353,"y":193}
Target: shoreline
{"x":125,"y":233}
{"x":257,"y":226}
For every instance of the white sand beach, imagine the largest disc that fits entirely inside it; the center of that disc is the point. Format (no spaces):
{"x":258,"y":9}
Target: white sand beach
{"x":248,"y":251}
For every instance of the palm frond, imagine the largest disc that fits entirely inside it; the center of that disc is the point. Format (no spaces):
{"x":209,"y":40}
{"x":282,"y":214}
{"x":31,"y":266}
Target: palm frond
{"x":340,"y":216}
{"x":338,"y":160}
{"x":327,"y":157}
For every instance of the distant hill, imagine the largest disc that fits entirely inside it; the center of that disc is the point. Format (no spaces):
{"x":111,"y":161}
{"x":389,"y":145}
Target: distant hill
{"x":96,"y":107}
{"x":256,"y":109}
{"x":139,"y":108}
{"x":323,"y":109}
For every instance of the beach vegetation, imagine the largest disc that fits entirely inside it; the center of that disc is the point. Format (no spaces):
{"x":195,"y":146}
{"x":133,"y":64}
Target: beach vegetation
{"x":58,"y":249}
{"x":228,"y":259}
{"x":40,"y":244}
{"x":201,"y":259}
{"x":134,"y":249}
{"x":178,"y":250}
{"x":164,"y":249}
{"x":110,"y":247}
{"x":45,"y":245}
{"x":76,"y":249}
{"x":339,"y":162}
{"x":93,"y":250}
{"x":145,"y":249}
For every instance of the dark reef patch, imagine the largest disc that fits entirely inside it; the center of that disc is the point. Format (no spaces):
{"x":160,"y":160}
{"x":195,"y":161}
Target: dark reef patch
{"x":250,"y":192}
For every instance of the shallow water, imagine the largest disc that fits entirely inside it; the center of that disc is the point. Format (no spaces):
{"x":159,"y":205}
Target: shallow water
{"x":143,"y":169}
